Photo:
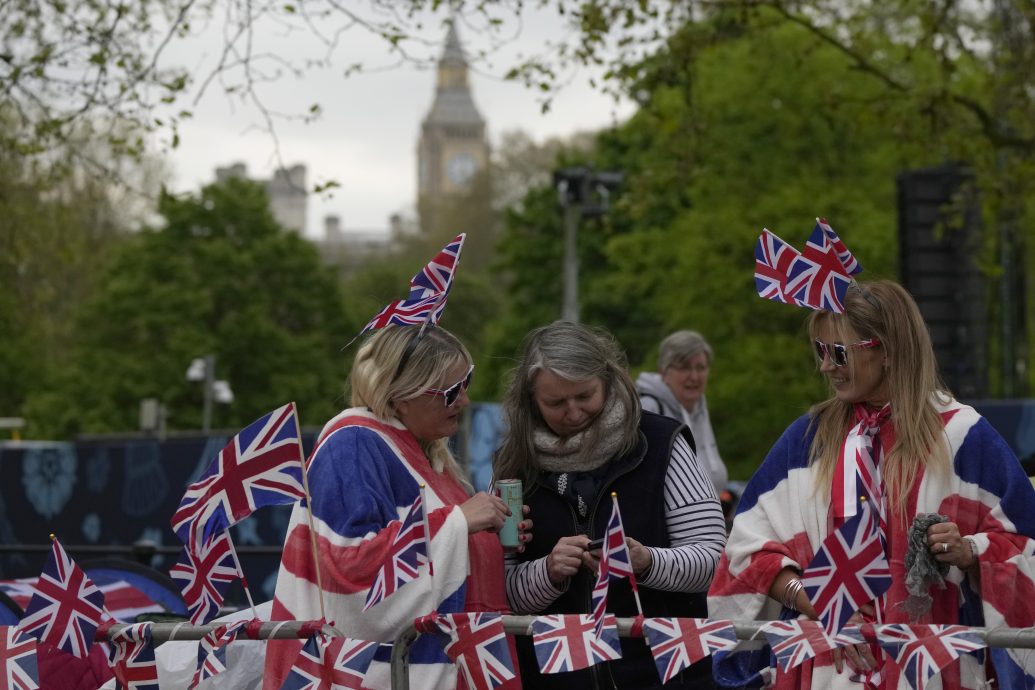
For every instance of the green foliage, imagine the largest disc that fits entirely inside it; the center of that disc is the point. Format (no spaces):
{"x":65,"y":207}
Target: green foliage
{"x":54,"y":236}
{"x":220,"y":278}
{"x":747,"y":120}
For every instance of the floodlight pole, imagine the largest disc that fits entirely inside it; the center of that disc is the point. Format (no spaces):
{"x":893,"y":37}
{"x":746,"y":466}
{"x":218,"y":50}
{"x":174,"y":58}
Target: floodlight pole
{"x":570,"y":299}
{"x":210,"y":379}
{"x":582,"y":193}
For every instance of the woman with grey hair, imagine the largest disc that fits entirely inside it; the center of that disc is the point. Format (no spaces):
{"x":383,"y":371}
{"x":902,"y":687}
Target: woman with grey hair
{"x":676,"y":390}
{"x":575,"y":435}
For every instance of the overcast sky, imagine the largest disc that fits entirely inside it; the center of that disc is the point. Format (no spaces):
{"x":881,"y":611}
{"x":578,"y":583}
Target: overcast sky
{"x":366,"y":138}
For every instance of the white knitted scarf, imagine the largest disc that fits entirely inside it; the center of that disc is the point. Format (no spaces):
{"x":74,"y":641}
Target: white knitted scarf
{"x":604,"y":436}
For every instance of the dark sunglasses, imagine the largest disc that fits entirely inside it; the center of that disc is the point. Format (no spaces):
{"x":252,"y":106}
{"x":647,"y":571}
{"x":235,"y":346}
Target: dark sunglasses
{"x":452,"y":394}
{"x":838,"y":352}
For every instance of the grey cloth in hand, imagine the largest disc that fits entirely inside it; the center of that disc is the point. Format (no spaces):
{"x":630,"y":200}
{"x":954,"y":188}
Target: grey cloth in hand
{"x":922,"y":570}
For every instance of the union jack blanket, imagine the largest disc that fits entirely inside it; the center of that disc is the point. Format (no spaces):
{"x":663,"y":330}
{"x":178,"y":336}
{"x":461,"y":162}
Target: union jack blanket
{"x":363,"y":476}
{"x":782,"y":519}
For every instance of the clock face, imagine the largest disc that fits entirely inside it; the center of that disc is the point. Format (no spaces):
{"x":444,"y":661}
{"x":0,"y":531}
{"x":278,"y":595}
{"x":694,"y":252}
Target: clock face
{"x":461,"y":168}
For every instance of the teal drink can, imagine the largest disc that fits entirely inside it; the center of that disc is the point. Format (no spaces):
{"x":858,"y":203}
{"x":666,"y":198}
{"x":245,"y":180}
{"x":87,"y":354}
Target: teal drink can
{"x":510,"y":491}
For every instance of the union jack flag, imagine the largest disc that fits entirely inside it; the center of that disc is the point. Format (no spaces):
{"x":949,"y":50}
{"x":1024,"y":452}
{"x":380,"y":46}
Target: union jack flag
{"x":403,"y":312}
{"x":123,"y":601}
{"x":796,"y":641}
{"x":922,"y":651}
{"x":437,"y":276}
{"x":20,"y":670}
{"x":773,"y":259}
{"x":817,"y":279}
{"x":429,"y":290}
{"x":570,"y":642}
{"x":615,"y":564}
{"x":261,"y":466}
{"x":847,"y":259}
{"x":478,"y":645}
{"x":204,"y":578}
{"x":409,"y":551}
{"x":676,"y":643}
{"x":326,"y":663}
{"x":132,"y":658}
{"x":212,"y":652}
{"x":849,"y":569}
{"x":66,"y":607}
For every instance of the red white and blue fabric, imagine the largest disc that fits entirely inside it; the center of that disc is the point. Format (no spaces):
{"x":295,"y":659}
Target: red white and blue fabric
{"x":408,"y":553}
{"x":261,"y":466}
{"x":429,"y":290}
{"x":20,"y":669}
{"x":796,"y":641}
{"x":857,"y":474}
{"x":204,"y":578}
{"x":615,"y":564}
{"x":66,"y":607}
{"x":132,"y":658}
{"x":817,"y":279}
{"x":478,"y":645}
{"x":403,"y":312}
{"x":330,"y":663}
{"x":436,"y":278}
{"x":849,"y":569}
{"x":212,"y":651}
{"x":364,"y":475}
{"x":676,"y":643}
{"x":922,"y":651}
{"x":847,"y":259}
{"x":121,"y":599}
{"x":782,"y":519}
{"x":773,"y":259}
{"x":570,"y":642}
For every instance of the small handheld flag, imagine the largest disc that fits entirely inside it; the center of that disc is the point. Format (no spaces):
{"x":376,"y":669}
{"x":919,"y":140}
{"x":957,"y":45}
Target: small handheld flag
{"x":66,"y":607}
{"x":261,"y":466}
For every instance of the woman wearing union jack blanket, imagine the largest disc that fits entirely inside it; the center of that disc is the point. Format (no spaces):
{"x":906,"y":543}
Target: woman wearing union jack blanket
{"x":891,"y":434}
{"x":408,"y":388}
{"x":576,"y":434}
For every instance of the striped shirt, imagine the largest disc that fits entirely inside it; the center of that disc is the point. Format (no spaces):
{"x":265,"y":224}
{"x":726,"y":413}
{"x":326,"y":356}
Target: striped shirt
{"x":696,"y":532}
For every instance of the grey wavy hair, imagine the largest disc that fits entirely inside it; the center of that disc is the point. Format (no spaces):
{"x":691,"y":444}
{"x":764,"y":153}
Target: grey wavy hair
{"x":574,"y":352}
{"x":677,"y":349}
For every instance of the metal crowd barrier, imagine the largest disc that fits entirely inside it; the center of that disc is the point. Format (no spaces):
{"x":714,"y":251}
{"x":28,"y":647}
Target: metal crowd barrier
{"x":1019,"y":638}
{"x":269,"y":630}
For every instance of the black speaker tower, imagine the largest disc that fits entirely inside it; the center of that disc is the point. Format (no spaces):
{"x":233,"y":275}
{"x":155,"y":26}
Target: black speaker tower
{"x":939,"y":231}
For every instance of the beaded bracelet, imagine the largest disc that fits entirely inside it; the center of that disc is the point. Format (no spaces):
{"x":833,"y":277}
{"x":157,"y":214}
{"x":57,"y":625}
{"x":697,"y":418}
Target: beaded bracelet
{"x":790,"y":593}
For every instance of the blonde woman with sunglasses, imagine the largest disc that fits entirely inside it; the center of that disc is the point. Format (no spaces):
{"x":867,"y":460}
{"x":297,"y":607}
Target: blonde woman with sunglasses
{"x":923,"y":452}
{"x":409,"y":388}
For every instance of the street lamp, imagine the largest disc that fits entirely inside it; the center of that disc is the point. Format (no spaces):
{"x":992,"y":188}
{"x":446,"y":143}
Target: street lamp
{"x":582,"y":193}
{"x":203,"y":369}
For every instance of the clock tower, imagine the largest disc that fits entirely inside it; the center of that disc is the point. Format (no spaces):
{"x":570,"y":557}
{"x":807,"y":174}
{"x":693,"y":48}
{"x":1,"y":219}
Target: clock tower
{"x":452,"y":147}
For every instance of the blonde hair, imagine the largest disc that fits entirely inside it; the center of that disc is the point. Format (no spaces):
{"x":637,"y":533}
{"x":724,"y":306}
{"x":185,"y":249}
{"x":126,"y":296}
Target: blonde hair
{"x":884,"y":310}
{"x":575,"y":353}
{"x":377,"y":380}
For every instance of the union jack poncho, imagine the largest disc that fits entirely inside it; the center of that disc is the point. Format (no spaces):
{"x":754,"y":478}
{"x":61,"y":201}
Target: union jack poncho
{"x":364,"y":475}
{"x":782,"y":519}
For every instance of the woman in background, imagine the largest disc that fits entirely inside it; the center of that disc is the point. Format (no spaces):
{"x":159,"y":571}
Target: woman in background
{"x":677,"y":389}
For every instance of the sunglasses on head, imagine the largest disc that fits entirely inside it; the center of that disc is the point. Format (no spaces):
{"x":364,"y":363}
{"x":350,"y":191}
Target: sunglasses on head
{"x":452,"y":394}
{"x":838,"y":352}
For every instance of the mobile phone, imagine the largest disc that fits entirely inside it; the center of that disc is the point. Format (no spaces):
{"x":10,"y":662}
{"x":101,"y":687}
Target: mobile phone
{"x":595,"y":544}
